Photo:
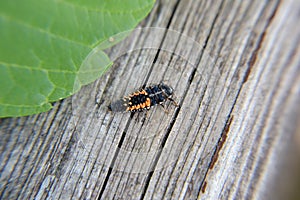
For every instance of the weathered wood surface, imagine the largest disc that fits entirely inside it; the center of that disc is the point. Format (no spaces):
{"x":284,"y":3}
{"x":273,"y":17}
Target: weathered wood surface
{"x":229,"y":139}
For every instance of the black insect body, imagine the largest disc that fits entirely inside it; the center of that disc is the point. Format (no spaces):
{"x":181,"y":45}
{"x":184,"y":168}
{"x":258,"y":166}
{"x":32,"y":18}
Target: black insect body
{"x":144,"y":99}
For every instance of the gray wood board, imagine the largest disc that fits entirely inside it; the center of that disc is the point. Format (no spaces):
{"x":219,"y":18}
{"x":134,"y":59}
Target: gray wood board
{"x":234,"y":66}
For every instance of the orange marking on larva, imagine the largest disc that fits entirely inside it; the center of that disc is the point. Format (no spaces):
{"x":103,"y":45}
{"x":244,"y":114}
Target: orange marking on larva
{"x":143,"y":105}
{"x":143,"y":92}
{"x":133,"y":107}
{"x":148,"y":102}
{"x":137,"y":107}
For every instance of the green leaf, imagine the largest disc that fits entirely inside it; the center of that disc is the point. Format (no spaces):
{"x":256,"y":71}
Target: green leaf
{"x":44,"y":43}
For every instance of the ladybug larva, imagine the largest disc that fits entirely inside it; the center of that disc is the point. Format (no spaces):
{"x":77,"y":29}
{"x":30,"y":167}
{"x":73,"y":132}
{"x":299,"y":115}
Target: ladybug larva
{"x":144,"y":98}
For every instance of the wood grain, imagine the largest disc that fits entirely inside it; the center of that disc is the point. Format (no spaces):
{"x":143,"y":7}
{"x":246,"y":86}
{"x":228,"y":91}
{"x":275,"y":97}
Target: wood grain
{"x":234,"y":66}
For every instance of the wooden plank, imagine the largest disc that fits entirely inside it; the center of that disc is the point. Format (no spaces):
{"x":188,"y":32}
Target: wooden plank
{"x":234,"y":66}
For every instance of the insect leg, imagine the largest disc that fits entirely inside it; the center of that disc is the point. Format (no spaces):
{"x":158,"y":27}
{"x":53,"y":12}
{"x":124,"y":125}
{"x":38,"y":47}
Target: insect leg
{"x":162,"y":105}
{"x":174,"y":102}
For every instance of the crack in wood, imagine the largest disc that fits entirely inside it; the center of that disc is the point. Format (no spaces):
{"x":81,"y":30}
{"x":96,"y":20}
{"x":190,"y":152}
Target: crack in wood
{"x":220,"y":144}
{"x":113,"y":161}
{"x":203,"y":187}
{"x":261,"y":38}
